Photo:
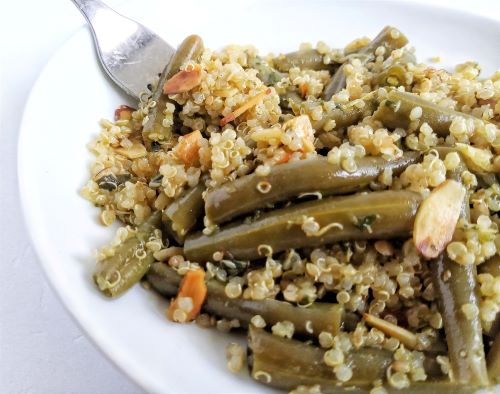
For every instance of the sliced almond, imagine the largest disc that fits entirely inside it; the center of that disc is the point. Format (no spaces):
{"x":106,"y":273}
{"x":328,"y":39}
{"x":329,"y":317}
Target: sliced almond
{"x":134,"y":152}
{"x":252,"y":102}
{"x":437,"y":218}
{"x":124,"y":112}
{"x":267,"y":134}
{"x":478,"y":160}
{"x":183,"y":81}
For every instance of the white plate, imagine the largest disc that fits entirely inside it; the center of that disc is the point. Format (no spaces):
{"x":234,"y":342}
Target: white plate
{"x":61,"y":117}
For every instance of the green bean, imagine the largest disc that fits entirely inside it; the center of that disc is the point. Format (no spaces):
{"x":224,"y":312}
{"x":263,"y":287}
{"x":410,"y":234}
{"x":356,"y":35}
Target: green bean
{"x":305,"y":59}
{"x":164,"y":279}
{"x":154,"y":130}
{"x":455,"y":286}
{"x":492,"y":267}
{"x":293,"y":178}
{"x":395,"y":74}
{"x":374,"y":215}
{"x":307,"y":320}
{"x":386,"y":38}
{"x":344,"y":115}
{"x":181,"y":215}
{"x":395,"y":112}
{"x":290,"y":99}
{"x":130,"y":262}
{"x":267,"y":74}
{"x":288,"y":363}
{"x":494,"y":360}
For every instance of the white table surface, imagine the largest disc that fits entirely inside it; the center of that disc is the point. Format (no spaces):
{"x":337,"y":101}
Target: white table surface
{"x":42,"y":350}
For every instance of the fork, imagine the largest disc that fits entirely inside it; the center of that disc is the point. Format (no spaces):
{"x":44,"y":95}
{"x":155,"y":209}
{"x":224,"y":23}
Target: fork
{"x":130,"y":53}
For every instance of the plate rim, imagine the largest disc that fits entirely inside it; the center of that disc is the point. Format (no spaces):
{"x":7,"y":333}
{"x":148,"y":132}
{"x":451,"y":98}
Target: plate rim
{"x":84,"y":324}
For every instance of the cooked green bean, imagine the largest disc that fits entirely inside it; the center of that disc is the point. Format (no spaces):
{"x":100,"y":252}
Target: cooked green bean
{"x":154,"y":130}
{"x":344,"y":115}
{"x":183,"y":213}
{"x":492,"y":267}
{"x":494,"y":360}
{"x":289,"y":99}
{"x":395,"y":74}
{"x":392,"y":76}
{"x":306,"y":59}
{"x":390,"y":38}
{"x":374,"y":215}
{"x":130,"y":262}
{"x":267,"y":74}
{"x":312,"y":175}
{"x":287,"y":363}
{"x":455,"y":286}
{"x":395,"y":112}
{"x":164,"y":279}
{"x":307,"y":321}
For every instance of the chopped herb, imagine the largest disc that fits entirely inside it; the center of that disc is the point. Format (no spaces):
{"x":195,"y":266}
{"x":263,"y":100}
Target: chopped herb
{"x":122,"y":178}
{"x":234,"y":267}
{"x":111,"y":182}
{"x":156,"y":181}
{"x":155,"y":146}
{"x":364,"y":223}
{"x":394,"y":105}
{"x":108,"y":182}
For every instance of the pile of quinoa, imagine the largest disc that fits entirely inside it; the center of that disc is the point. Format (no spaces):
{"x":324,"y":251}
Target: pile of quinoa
{"x":386,"y":279}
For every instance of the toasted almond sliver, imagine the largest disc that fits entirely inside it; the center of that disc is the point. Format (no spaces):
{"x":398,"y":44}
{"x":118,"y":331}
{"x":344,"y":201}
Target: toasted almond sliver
{"x":134,"y":152}
{"x":252,"y":102}
{"x":183,"y":81}
{"x":437,"y":218}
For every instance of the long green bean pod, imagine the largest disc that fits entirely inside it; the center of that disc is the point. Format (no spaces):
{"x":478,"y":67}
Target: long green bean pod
{"x":395,"y":112}
{"x":307,"y":59}
{"x":494,"y":361}
{"x":181,"y":215}
{"x":344,"y":115}
{"x":375,"y":215}
{"x":154,"y":129}
{"x":492,"y":267}
{"x":130,"y":262}
{"x":390,"y":38}
{"x":455,"y":286}
{"x":267,"y":74}
{"x":288,"y":363}
{"x":293,"y":178}
{"x":307,"y":321}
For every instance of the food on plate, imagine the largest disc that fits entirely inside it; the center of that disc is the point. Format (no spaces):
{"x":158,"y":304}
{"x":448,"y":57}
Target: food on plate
{"x":340,"y":206}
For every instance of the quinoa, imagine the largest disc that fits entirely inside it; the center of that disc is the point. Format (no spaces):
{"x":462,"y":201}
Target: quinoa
{"x":236,"y":122}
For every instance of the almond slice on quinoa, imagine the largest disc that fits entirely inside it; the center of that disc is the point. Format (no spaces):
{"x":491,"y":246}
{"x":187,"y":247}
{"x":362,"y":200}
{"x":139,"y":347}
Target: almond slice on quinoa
{"x":437,"y":218}
{"x":183,"y":81}
{"x":123,"y":112}
{"x":252,"y":102}
{"x":477,"y":159}
{"x":136,"y":151}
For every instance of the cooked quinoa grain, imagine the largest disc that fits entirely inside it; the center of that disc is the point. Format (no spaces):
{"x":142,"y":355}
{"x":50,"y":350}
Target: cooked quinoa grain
{"x":336,"y":280}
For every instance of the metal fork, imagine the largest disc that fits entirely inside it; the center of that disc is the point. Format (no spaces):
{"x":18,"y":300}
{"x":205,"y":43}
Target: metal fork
{"x":131,"y":54}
